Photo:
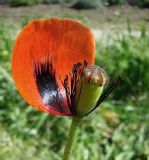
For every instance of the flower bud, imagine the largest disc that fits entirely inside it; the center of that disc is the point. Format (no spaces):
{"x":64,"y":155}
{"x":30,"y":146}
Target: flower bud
{"x":89,"y":88}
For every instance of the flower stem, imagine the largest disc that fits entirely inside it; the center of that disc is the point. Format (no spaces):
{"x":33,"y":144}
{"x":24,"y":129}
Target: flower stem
{"x":71,"y":138}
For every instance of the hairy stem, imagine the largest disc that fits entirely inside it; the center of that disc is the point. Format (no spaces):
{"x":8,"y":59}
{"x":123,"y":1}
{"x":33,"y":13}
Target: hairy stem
{"x":71,"y":138}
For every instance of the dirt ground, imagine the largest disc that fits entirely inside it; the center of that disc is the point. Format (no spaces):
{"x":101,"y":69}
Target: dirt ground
{"x":103,"y":17}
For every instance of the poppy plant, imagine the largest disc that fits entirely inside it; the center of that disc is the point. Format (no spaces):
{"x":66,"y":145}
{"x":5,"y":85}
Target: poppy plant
{"x":52,"y":67}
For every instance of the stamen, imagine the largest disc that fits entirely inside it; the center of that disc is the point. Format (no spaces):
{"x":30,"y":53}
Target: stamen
{"x":71,"y":92}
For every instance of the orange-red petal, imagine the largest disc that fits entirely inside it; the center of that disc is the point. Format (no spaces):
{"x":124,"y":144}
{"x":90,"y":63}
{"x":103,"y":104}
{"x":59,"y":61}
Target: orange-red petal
{"x":57,"y":42}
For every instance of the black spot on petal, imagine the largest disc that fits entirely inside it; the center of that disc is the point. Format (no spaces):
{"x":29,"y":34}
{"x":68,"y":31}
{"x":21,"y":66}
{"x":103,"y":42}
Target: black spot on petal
{"x":44,"y":74}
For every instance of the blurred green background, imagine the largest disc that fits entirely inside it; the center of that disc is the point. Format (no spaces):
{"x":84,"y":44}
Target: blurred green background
{"x":119,"y":129}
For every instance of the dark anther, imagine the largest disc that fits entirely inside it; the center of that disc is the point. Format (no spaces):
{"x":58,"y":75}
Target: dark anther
{"x":71,"y":91}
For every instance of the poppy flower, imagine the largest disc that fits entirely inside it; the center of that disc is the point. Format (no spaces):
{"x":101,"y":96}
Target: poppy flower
{"x":44,"y":52}
{"x":48,"y":59}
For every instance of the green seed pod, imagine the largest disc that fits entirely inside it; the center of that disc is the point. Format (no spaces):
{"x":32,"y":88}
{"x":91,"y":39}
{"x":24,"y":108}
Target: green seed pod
{"x":89,"y":88}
